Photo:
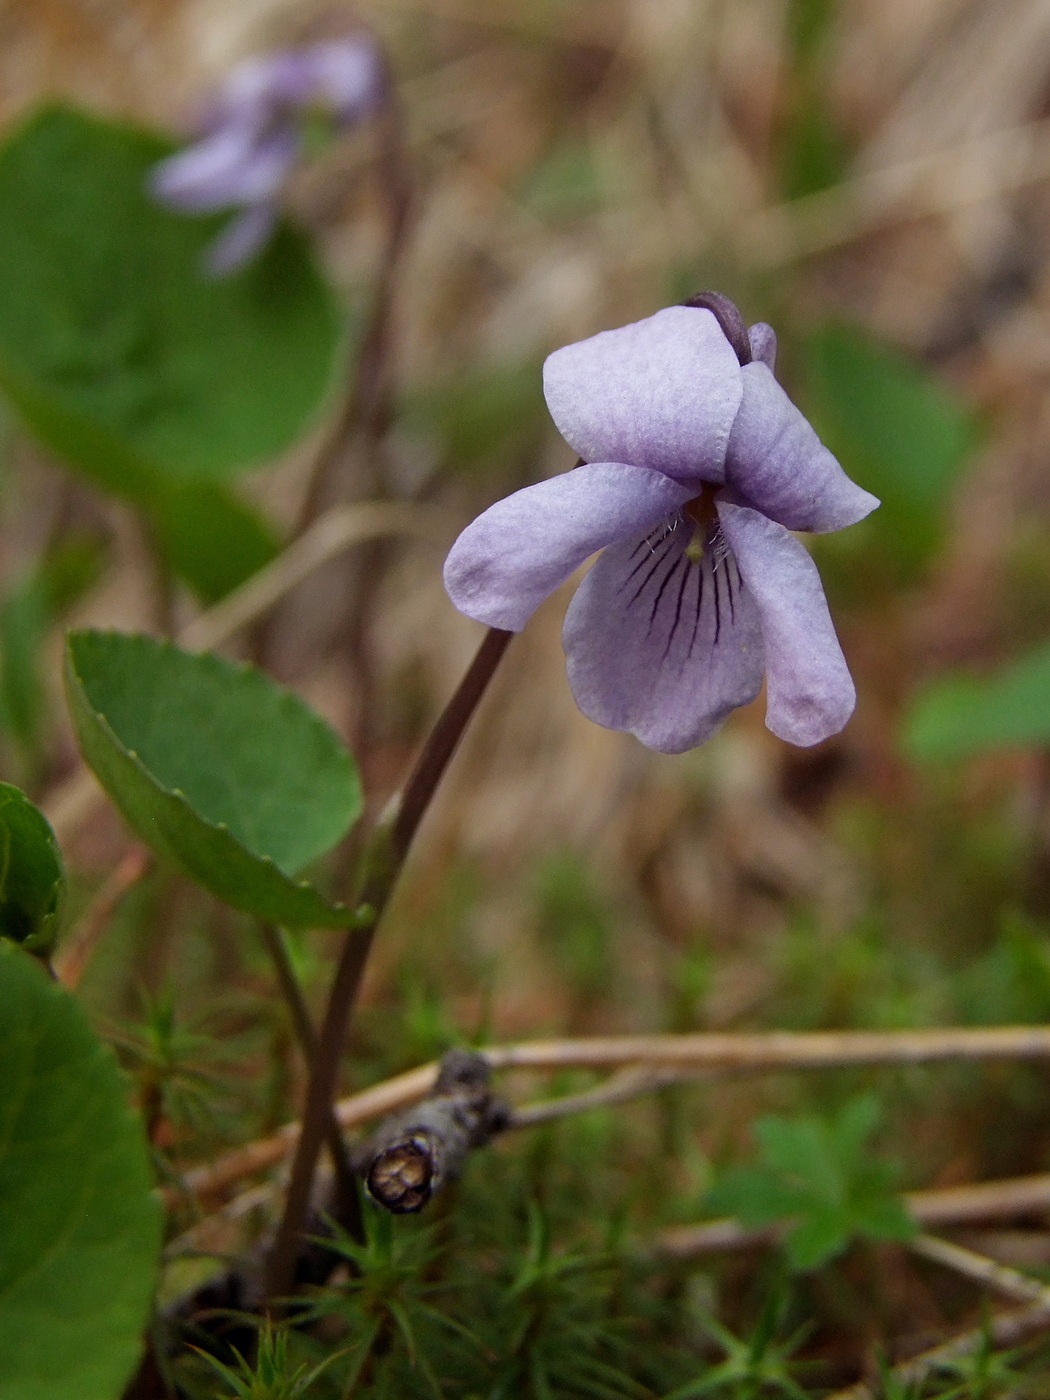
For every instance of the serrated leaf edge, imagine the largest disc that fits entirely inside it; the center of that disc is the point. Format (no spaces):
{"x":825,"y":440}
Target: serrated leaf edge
{"x":242,"y":668}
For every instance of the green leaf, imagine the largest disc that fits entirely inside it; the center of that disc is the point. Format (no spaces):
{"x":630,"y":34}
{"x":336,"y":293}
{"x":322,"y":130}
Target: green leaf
{"x":119,"y":352}
{"x":80,"y":1228}
{"x":755,"y":1195}
{"x":1009,"y":984}
{"x":895,"y":428}
{"x":818,"y":1237}
{"x":210,"y":538}
{"x":815,"y":151}
{"x":216,"y":767}
{"x":808,"y":24}
{"x":885,"y":1219}
{"x":32,"y":877}
{"x":962,"y":715}
{"x":34,"y":603}
{"x":23,"y":627}
{"x":819,"y":1174}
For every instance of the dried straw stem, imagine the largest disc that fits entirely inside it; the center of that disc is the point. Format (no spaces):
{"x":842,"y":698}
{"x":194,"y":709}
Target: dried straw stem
{"x":1003,"y":1331}
{"x":952,"y":1205}
{"x":75,"y":954}
{"x":654,"y":1060}
{"x":1011,"y":1283}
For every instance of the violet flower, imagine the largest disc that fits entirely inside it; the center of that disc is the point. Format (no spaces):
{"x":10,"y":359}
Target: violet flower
{"x":696,"y":468}
{"x":254,"y":133}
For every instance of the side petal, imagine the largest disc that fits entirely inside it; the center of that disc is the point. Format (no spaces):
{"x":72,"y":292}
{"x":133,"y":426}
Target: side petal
{"x":778,"y":463}
{"x":810,"y":693}
{"x":763,"y":341}
{"x":663,"y":645}
{"x":521,"y":549}
{"x":660,"y":393}
{"x":231,"y":166}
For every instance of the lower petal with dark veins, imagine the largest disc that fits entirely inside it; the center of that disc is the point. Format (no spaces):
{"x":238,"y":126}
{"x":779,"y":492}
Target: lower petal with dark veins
{"x":661,"y":643}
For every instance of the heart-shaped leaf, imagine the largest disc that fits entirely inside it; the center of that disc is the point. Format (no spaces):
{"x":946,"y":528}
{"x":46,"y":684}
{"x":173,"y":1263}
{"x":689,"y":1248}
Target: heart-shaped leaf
{"x":80,"y":1228}
{"x":216,"y":767}
{"x":120,"y":353}
{"x":32,"y":878}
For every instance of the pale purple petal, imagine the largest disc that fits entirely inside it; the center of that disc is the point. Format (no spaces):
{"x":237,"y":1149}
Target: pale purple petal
{"x":763,"y":341}
{"x":521,"y":549}
{"x":810,"y":693}
{"x":256,"y":85}
{"x":232,"y":166}
{"x":778,"y":463}
{"x":240,"y":240}
{"x":660,"y":393}
{"x":346,"y":74}
{"x":661,"y":645}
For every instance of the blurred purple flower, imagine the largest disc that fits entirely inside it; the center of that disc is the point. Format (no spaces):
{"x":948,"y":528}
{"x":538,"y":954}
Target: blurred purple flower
{"x":697,"y":468}
{"x":253,"y":134}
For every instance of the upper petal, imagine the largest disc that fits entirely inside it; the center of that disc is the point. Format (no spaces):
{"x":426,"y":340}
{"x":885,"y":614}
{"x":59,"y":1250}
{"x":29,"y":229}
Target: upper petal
{"x":257,"y":86}
{"x":347,"y":74}
{"x":810,"y":693}
{"x":660,"y":393}
{"x":662,"y":645}
{"x":521,"y":549}
{"x":777,"y":461}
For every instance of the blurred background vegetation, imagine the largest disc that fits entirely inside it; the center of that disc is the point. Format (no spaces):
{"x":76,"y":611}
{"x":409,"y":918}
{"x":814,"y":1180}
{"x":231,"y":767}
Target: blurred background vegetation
{"x":871,"y":176}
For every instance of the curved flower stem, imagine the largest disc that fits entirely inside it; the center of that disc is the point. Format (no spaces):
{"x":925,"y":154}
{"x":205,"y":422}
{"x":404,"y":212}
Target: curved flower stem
{"x":348,"y":1204}
{"x":384,"y":860}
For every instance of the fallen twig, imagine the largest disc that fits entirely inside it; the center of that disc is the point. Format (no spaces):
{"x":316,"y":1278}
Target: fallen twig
{"x":654,"y":1061}
{"x":418,"y":1150}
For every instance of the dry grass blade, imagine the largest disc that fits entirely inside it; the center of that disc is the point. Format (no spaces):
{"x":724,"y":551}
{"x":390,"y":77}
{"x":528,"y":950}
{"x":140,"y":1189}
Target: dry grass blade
{"x":982,"y":1270}
{"x":941,"y":183}
{"x":952,"y":1205}
{"x":257,"y":1156}
{"x":1006,"y":1330}
{"x":765,"y":1050}
{"x":328,"y":536}
{"x":76,"y":951}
